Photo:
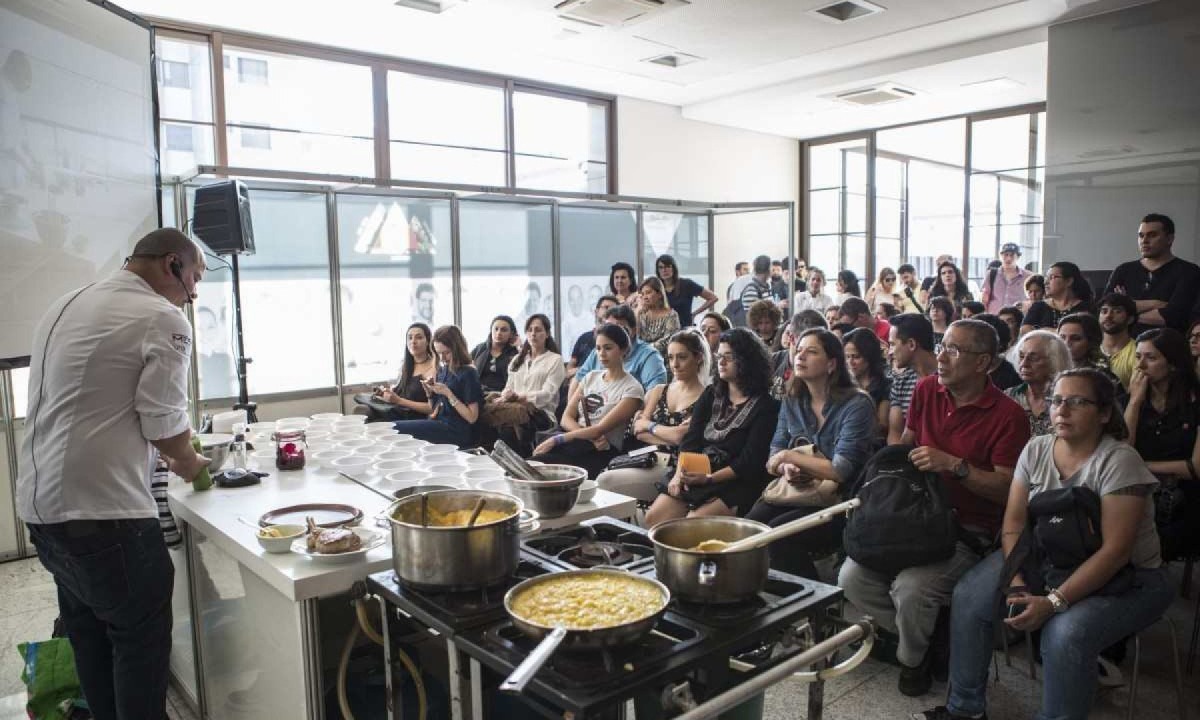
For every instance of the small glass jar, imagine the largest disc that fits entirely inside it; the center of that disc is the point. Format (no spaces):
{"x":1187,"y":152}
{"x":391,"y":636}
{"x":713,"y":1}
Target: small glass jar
{"x":290,"y":446}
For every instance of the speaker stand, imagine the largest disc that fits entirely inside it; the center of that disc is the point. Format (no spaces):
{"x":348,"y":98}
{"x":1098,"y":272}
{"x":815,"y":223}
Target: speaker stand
{"x":241,"y":361}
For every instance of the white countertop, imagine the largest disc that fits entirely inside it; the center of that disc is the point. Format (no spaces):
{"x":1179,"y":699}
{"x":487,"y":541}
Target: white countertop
{"x":215,"y":513}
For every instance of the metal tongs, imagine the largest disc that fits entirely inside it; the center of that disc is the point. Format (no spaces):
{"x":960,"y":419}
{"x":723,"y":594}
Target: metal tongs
{"x":514,"y":464}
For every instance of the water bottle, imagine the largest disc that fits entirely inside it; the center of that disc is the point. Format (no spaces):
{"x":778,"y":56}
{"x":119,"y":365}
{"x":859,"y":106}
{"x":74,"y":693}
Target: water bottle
{"x":237,"y":449}
{"x":202,"y":481}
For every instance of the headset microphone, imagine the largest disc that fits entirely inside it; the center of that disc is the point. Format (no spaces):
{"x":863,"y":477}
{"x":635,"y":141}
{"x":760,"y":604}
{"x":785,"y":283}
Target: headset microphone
{"x":177,"y":271}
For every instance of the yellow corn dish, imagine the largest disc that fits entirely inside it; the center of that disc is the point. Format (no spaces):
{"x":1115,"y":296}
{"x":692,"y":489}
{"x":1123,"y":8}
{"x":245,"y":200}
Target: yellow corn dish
{"x":459,"y":518}
{"x":588,"y":602}
{"x":711,"y":546}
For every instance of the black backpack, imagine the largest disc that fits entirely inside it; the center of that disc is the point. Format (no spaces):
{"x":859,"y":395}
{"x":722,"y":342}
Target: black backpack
{"x":905,"y":519}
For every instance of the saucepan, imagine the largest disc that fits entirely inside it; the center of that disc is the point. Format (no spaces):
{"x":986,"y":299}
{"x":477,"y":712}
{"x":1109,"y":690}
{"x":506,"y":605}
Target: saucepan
{"x":580,"y":633}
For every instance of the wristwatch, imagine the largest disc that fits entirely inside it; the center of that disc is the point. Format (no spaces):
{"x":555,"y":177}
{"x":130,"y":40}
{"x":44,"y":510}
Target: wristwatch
{"x":962,"y":469}
{"x":1057,"y":601}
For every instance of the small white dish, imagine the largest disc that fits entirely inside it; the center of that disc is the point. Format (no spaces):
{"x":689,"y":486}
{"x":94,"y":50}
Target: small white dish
{"x":477,"y":476}
{"x":263,"y":459}
{"x":446,"y":469}
{"x":587,"y":491}
{"x":453,"y":481}
{"x":405,"y":478}
{"x":292,"y":423}
{"x":352,"y":465}
{"x":383,"y":467}
{"x":325,"y":458}
{"x":355,"y":443}
{"x":374,"y":450}
{"x":282,"y":543}
{"x":499,"y":485}
{"x":393,"y":454}
{"x":439,"y":449}
{"x":371,"y":539}
{"x":411,"y":445}
{"x":481,"y":462}
{"x":351,"y":420}
{"x":261,"y":428}
{"x":331,"y":416}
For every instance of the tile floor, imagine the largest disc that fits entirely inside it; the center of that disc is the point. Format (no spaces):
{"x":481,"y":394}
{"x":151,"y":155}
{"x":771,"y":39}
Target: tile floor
{"x":27,"y":611}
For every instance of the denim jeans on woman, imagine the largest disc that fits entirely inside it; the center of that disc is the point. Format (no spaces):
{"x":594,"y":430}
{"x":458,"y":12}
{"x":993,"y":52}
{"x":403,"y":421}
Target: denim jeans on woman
{"x":114,"y":581}
{"x":1071,"y":642}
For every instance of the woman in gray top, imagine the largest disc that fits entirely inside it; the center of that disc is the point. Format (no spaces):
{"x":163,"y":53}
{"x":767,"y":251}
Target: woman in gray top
{"x":1081,"y":616}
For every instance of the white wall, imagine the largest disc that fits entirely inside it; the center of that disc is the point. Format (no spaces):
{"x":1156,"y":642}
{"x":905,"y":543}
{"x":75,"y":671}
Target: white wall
{"x":661,"y":154}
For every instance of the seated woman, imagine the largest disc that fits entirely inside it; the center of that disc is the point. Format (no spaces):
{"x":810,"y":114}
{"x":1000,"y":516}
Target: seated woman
{"x":598,"y":410}
{"x":868,"y":370}
{"x":666,"y":415}
{"x":1083,"y":335}
{"x":732,"y":424}
{"x":534,"y":379}
{"x":1067,"y":291}
{"x":656,"y":321}
{"x":825,"y":408}
{"x":712,"y":325}
{"x":1041,"y":356}
{"x":1162,"y":415}
{"x":455,"y":394}
{"x":407,"y":400}
{"x":492,"y":358}
{"x":622,"y":283}
{"x":1076,"y":621}
{"x":951,"y":285}
{"x":941,"y":314}
{"x":764,"y":318}
{"x":781,"y":360}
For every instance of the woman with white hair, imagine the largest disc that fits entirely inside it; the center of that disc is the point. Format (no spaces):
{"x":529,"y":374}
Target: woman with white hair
{"x":666,"y":416}
{"x":1040,"y":356}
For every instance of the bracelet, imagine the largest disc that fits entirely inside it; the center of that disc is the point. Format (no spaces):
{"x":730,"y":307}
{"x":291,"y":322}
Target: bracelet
{"x":654,"y":425}
{"x":560,"y":438}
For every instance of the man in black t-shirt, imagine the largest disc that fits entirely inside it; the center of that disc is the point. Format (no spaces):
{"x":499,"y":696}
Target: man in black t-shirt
{"x":1162,"y":286}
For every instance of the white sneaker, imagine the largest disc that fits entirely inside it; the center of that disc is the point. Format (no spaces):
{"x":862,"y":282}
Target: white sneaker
{"x":1109,"y":675}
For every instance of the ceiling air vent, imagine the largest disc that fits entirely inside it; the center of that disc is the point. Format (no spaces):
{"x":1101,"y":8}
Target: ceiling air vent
{"x":877,"y":95}
{"x":674,"y":60}
{"x":614,"y":13}
{"x":847,"y":10}
{"x":433,"y":6}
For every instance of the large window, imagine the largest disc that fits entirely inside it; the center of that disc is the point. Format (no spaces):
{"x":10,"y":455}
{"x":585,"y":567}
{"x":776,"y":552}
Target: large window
{"x":284,"y":112}
{"x":394,"y":255}
{"x":285,"y":303}
{"x":560,"y":143}
{"x":920,"y":184}
{"x":506,"y":264}
{"x":590,"y":241}
{"x":185,"y":104}
{"x":443,"y":131}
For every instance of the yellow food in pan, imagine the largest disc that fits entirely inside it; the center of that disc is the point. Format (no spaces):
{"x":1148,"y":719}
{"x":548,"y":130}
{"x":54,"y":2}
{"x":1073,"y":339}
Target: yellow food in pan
{"x":588,"y":602}
{"x":459,"y":518}
{"x":711,"y":546}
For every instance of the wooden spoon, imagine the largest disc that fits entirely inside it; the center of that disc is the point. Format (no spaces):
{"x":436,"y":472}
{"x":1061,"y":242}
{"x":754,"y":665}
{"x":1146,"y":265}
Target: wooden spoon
{"x":475,"y":512}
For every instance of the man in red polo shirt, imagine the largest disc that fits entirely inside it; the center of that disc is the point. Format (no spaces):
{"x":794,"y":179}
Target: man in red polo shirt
{"x":971,"y":433}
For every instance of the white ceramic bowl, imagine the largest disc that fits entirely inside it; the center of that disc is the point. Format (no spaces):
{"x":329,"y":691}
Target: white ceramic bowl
{"x":383,"y":467}
{"x":481,"y":462}
{"x":342,"y":437}
{"x":283,"y":543}
{"x":448,"y":480}
{"x":310,"y":435}
{"x":353,"y":465}
{"x":373,"y":451}
{"x":263,"y":459}
{"x":292,"y":423}
{"x":439,"y":449}
{"x":325,"y":458}
{"x":393,"y":454}
{"x":351,"y":420}
{"x":475,"y":477}
{"x":400,"y":436}
{"x":262,"y":428}
{"x":449,"y":469}
{"x":333,"y":416}
{"x":317,"y":446}
{"x":410,"y":445}
{"x":587,"y":491}
{"x":404,"y":478}
{"x":356,"y":430}
{"x":354,"y":443}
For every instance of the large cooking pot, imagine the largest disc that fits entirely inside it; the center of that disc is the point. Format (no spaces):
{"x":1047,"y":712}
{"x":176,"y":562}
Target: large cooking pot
{"x":576,"y":639}
{"x":454,"y":558}
{"x":709,"y":577}
{"x":555,"y":494}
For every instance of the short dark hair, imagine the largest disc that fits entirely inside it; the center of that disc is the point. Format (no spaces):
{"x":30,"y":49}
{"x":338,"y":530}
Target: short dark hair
{"x":1105,"y":391}
{"x":1167,"y":223}
{"x":976,"y":307}
{"x":718,"y":318}
{"x":843,"y":328}
{"x":738,"y":265}
{"x":762,"y":265}
{"x":610,"y":298}
{"x":806,"y":319}
{"x":915,"y":327}
{"x":906,"y":268}
{"x":1119,"y":300}
{"x":776,"y":262}
{"x":855,"y":307}
{"x":1003,"y":334}
{"x":944,"y":304}
{"x":633,"y":281}
{"x":1091,"y":329}
{"x":616,"y":333}
{"x":168,"y":241}
{"x":1011,"y":310}
{"x":983,"y":334}
{"x":623,"y":313}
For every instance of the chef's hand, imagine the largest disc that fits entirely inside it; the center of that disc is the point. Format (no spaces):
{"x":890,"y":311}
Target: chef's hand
{"x":695,"y":479}
{"x":932,"y":459}
{"x":188,"y":467}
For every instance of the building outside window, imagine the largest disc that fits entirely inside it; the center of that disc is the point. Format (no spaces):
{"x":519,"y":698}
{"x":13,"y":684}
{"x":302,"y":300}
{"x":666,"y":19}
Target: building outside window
{"x":179,"y":138}
{"x":252,"y":71}
{"x":256,"y":136}
{"x":175,"y":74}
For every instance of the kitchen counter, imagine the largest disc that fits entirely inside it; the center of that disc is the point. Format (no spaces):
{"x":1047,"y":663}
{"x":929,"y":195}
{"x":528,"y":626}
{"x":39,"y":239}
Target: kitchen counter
{"x":252,"y":616}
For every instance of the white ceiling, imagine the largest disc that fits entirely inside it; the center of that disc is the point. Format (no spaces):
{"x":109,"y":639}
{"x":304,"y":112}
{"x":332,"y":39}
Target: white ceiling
{"x":768,"y":65}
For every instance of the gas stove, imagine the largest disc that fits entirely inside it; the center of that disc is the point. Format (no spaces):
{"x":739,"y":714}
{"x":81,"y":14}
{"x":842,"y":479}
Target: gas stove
{"x":599,"y":541}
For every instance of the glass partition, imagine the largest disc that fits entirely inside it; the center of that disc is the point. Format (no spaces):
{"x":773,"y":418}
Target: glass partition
{"x":394,"y":256}
{"x":683,"y":237}
{"x":506,"y":264}
{"x":590,"y":241}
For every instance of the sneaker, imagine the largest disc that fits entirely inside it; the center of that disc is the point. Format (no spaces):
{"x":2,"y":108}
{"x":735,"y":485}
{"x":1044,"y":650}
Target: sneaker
{"x":916,"y":681}
{"x":941,"y":713}
{"x":1108,"y":674}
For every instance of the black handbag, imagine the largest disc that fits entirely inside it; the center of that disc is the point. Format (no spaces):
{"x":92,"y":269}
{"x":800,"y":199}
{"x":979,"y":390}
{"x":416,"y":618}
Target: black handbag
{"x":642,"y":461}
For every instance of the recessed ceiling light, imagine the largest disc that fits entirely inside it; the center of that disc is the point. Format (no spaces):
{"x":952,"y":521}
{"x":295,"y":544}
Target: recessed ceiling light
{"x":847,"y":10}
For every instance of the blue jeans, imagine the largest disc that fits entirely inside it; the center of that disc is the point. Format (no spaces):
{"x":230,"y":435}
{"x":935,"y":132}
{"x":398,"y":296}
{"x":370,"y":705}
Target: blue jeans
{"x":1071,"y":642}
{"x":436,"y":431}
{"x":114,"y":581}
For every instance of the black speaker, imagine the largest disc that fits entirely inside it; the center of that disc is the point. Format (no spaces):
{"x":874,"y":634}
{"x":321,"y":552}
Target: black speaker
{"x":222,"y":218}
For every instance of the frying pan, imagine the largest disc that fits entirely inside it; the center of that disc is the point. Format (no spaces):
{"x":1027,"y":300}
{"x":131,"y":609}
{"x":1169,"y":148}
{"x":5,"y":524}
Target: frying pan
{"x":550,"y":638}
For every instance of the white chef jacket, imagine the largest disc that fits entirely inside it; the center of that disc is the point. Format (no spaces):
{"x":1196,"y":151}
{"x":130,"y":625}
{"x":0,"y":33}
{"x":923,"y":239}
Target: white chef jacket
{"x":113,"y":377}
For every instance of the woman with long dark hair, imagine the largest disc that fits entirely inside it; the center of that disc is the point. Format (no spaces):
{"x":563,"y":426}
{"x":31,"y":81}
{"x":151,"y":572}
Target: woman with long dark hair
{"x":868,"y":368}
{"x":1162,"y":415}
{"x":492,"y":357}
{"x":826,"y":412}
{"x":1085,"y":612}
{"x":732,"y":425}
{"x":941,"y":314}
{"x":951,"y":285}
{"x":681,"y":292}
{"x":455,"y":394}
{"x":622,"y":282}
{"x":534,"y":379}
{"x":1067,"y":292}
{"x":847,"y":286}
{"x":598,"y":410}
{"x":406,"y":400}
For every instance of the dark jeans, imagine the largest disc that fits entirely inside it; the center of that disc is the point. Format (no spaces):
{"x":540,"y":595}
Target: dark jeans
{"x":114,"y":581}
{"x":436,"y":431}
{"x":794,"y":554}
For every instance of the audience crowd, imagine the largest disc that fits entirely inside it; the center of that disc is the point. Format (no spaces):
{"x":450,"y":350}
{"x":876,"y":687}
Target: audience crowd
{"x":1030,"y":387}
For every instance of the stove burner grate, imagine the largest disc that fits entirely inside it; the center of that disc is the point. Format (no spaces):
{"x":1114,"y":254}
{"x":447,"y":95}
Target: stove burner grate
{"x":600,"y":552}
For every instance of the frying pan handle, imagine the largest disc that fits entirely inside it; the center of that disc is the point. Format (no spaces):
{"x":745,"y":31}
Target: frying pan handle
{"x":520,"y":677}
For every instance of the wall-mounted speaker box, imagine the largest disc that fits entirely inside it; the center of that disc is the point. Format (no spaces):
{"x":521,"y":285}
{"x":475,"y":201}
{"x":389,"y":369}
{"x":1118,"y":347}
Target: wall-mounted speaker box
{"x":222,"y":218}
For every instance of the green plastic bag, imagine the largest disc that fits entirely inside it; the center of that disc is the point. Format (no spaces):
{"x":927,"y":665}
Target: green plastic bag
{"x":49,"y":676}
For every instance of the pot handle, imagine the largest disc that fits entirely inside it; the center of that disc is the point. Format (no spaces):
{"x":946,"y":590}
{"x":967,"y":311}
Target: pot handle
{"x":520,"y":677}
{"x":707,"y":574}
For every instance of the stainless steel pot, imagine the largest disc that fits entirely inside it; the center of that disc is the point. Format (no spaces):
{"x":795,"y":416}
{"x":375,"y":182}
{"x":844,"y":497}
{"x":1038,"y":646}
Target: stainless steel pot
{"x":454,"y":558}
{"x":555,"y":495}
{"x":709,"y":577}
